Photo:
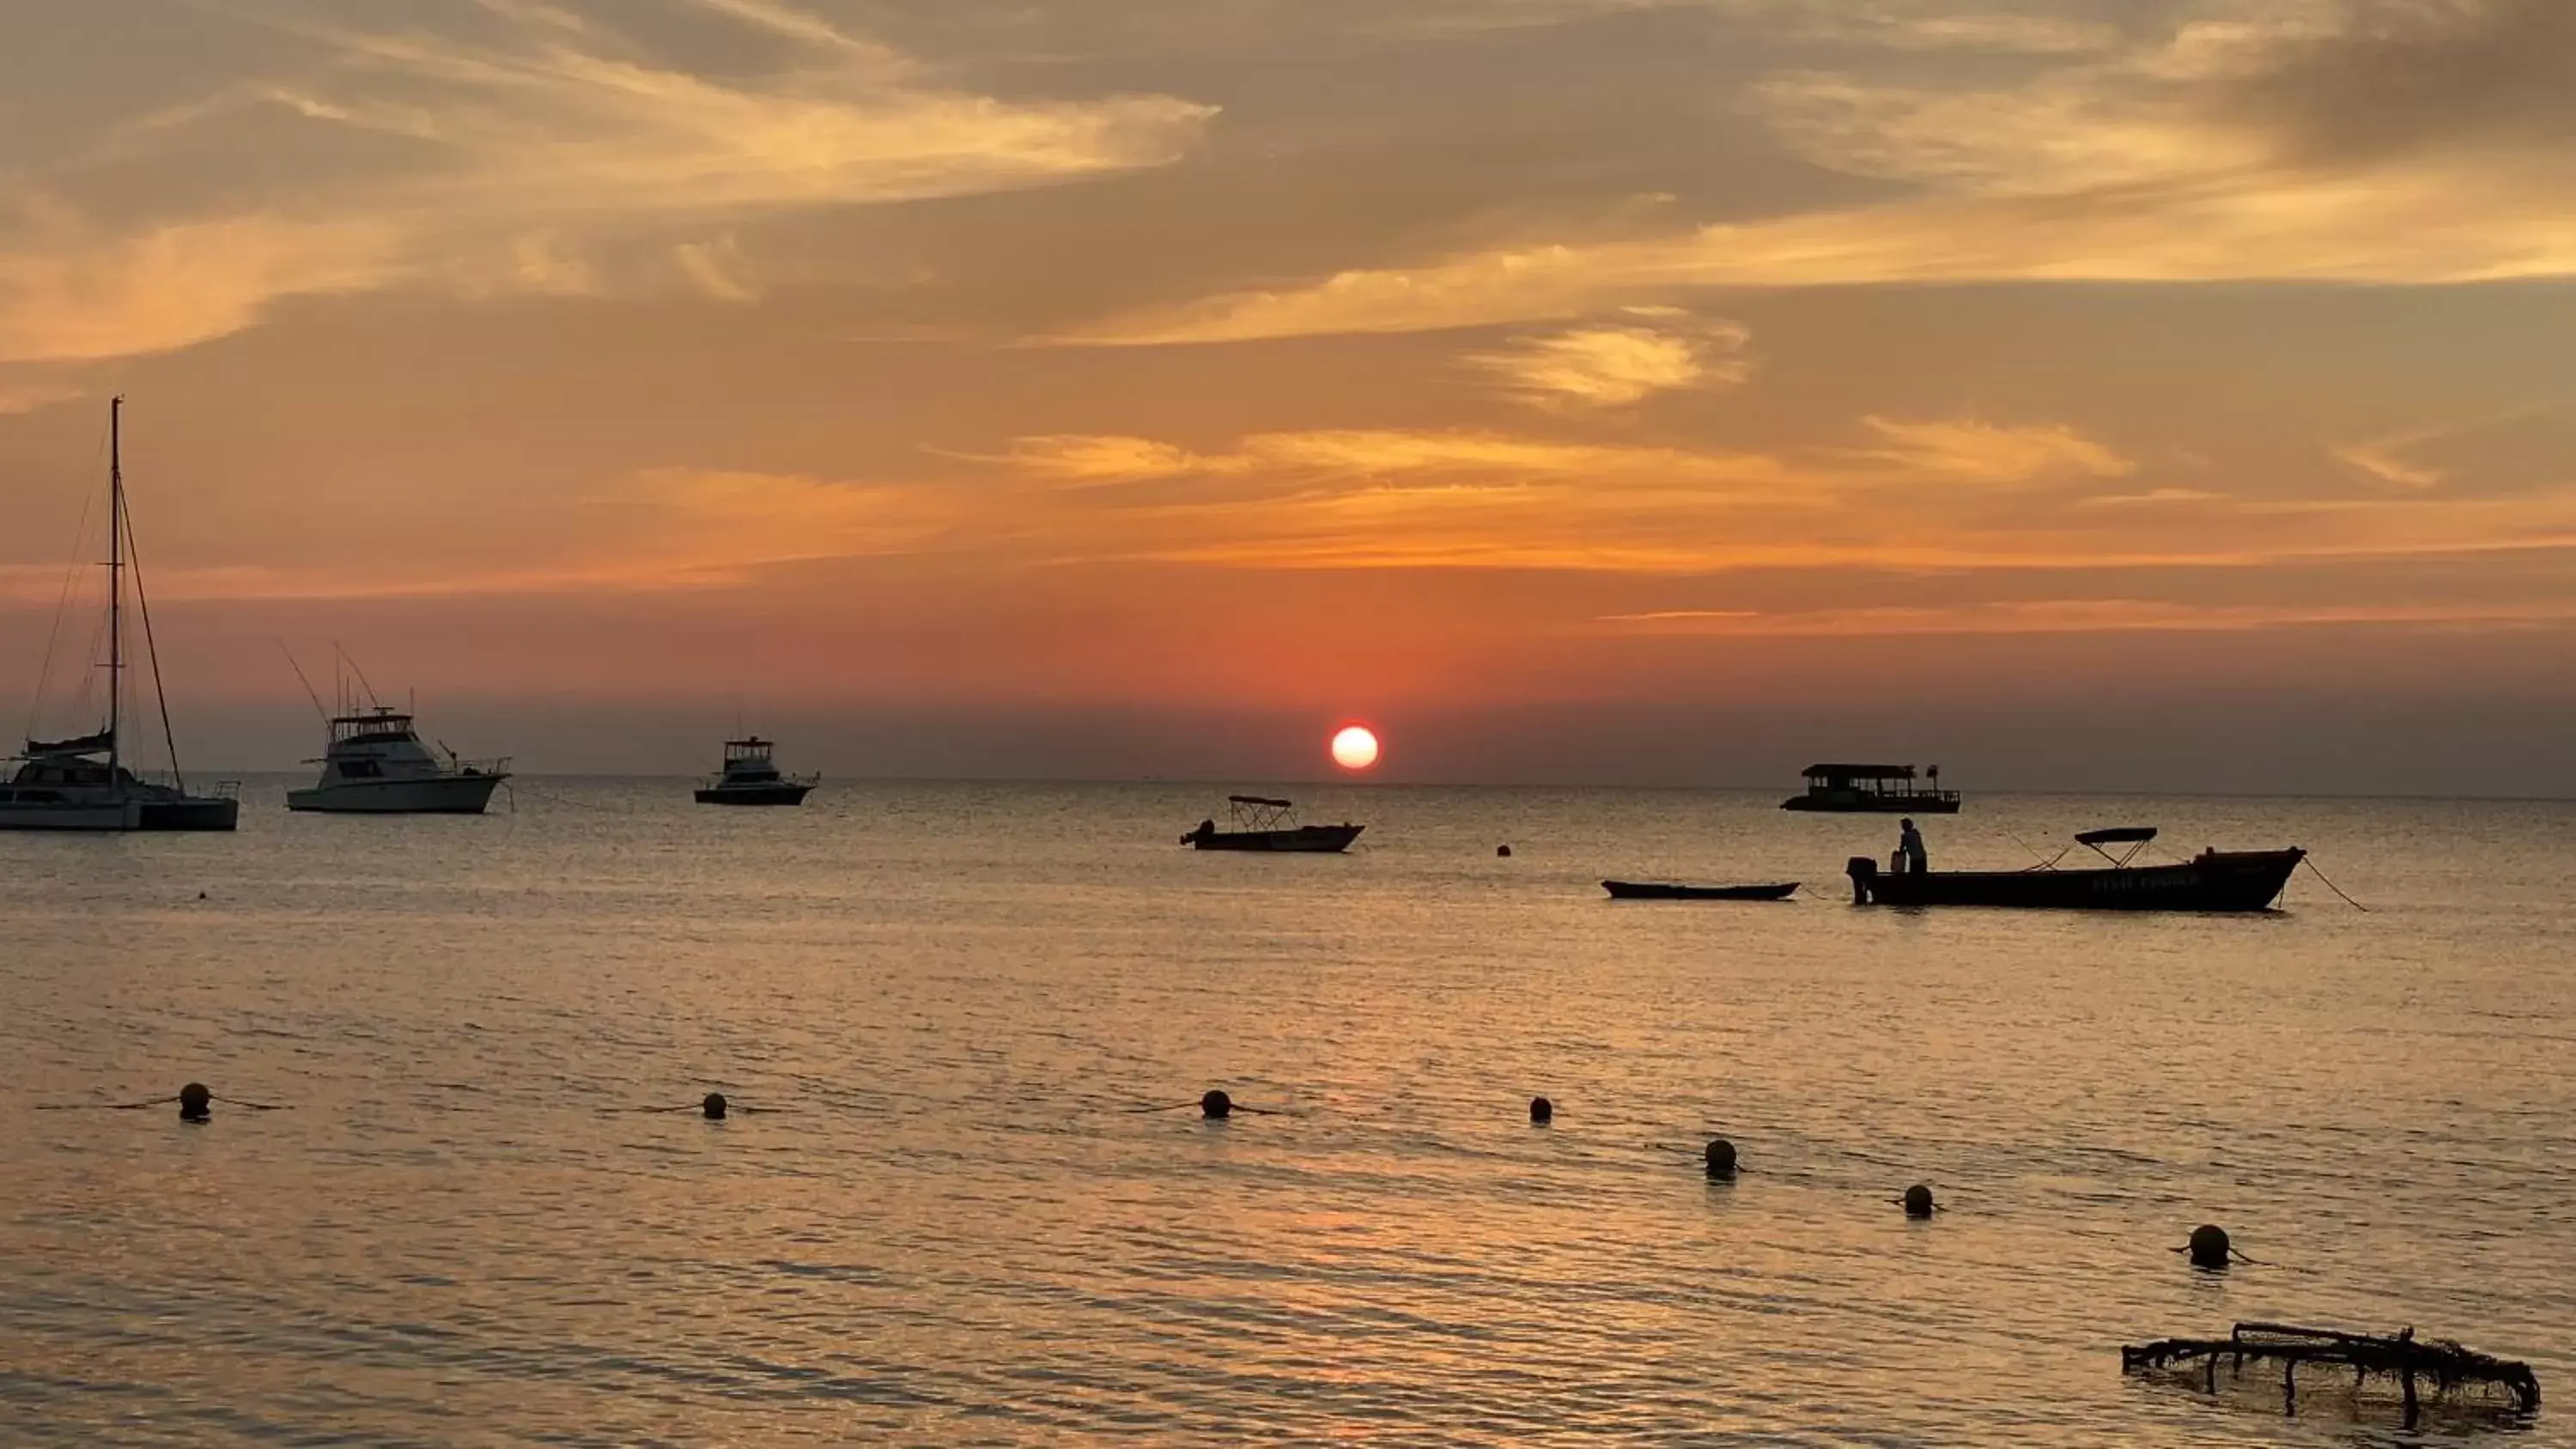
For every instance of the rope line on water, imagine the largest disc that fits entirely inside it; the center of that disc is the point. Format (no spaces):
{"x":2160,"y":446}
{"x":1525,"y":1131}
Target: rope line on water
{"x":2310,"y":862}
{"x":157,"y":1102}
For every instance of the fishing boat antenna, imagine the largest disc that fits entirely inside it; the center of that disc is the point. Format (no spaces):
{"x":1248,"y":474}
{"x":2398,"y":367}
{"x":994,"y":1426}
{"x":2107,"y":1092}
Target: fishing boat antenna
{"x":372,"y":701}
{"x":307,"y":683}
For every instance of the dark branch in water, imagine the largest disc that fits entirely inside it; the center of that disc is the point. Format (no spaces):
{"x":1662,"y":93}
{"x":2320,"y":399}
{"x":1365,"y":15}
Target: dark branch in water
{"x":2441,"y":1362}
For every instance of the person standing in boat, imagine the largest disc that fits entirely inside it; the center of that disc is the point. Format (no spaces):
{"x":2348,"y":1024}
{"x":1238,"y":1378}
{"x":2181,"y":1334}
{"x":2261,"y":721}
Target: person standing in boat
{"x":1909,"y":847}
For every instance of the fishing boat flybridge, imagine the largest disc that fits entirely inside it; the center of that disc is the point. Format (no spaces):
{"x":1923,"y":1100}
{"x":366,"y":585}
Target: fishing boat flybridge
{"x":82,"y":783}
{"x":750,"y":777}
{"x":375,"y":764}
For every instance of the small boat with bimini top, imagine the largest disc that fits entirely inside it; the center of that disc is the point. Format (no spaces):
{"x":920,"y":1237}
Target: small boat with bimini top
{"x":1633,"y":890}
{"x":2214,"y":880}
{"x":1261,"y":823}
{"x":751,"y":778}
{"x":375,"y":764}
{"x":1874,"y":790}
{"x":82,"y":783}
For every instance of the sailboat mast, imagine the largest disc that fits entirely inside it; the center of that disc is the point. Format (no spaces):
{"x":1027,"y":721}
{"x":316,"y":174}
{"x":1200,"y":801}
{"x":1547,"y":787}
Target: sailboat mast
{"x":115,"y":577}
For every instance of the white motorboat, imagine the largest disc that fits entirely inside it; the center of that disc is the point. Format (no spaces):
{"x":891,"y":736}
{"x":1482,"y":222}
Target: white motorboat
{"x":751,"y":778}
{"x":375,"y":764}
{"x":83,"y":783}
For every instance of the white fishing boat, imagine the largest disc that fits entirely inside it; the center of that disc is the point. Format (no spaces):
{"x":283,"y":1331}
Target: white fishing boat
{"x":751,"y":778}
{"x":375,"y":764}
{"x":83,"y":783}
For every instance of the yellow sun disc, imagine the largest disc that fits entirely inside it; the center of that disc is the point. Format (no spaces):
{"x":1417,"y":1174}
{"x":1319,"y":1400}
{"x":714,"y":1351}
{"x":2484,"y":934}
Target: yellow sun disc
{"x":1355,"y":748}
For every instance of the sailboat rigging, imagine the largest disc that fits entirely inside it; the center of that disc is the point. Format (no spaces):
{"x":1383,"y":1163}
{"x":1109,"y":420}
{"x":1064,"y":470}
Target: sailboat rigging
{"x":82,"y":783}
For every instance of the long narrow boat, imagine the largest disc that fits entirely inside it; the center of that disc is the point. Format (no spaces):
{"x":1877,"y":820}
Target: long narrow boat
{"x":2214,"y":880}
{"x":1632,"y":890}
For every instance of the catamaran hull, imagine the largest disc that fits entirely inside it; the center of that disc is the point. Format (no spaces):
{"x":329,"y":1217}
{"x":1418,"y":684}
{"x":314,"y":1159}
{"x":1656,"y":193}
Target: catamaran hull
{"x":2217,"y":880}
{"x":206,"y":814}
{"x":124,"y":815}
{"x":446,"y":795}
{"x":1305,"y":839}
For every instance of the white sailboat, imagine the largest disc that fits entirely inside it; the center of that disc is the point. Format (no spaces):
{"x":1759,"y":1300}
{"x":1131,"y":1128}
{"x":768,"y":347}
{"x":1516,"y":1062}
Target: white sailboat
{"x":375,"y":764}
{"x":82,"y":783}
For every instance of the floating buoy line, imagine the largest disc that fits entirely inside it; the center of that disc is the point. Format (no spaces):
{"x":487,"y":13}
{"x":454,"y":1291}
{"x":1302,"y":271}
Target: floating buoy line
{"x":195,"y":1100}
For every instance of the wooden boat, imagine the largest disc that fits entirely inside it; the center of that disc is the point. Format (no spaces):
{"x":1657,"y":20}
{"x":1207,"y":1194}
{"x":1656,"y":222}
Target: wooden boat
{"x":1630,"y":890}
{"x":1874,"y":790}
{"x":2214,"y":880}
{"x":1261,"y":823}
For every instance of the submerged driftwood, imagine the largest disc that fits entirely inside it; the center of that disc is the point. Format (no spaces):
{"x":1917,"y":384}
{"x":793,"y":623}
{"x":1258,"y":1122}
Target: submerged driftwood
{"x":2438,"y":1365}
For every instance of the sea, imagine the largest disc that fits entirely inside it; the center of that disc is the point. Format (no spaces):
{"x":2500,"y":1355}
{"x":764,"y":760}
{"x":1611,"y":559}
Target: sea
{"x":964,"y":1196}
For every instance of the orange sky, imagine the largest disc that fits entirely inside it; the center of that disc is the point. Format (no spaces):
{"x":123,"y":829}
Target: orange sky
{"x":1654,"y":390}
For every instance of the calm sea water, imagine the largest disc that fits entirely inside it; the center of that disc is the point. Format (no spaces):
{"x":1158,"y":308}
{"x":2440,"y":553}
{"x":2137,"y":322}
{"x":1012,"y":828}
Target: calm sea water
{"x":946,"y":1225}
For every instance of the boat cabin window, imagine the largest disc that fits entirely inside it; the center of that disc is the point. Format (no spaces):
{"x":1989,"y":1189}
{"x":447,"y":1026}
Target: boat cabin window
{"x":361,"y":770}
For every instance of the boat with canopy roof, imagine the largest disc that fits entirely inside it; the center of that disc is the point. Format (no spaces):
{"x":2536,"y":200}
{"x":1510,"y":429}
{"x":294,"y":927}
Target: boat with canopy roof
{"x":1873,"y":790}
{"x":2214,"y":880}
{"x":1262,"y":823}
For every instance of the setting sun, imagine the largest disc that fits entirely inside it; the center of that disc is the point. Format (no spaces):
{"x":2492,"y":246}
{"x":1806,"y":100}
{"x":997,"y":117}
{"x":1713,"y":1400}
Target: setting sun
{"x":1355,"y":748}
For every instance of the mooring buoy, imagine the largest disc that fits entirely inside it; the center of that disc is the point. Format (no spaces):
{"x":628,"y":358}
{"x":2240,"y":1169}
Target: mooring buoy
{"x":2209,"y":1246}
{"x":1542,"y":1111}
{"x":1721,"y":1159}
{"x":196,"y":1104}
{"x":714,"y":1106}
{"x":1918,"y":1201}
{"x":1216,"y":1106}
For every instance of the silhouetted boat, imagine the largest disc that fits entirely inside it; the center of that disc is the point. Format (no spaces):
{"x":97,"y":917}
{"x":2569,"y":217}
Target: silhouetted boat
{"x":1261,"y":823}
{"x":1631,"y":890}
{"x":82,"y":783}
{"x":1873,"y":790}
{"x":750,"y":778}
{"x":2214,"y":880}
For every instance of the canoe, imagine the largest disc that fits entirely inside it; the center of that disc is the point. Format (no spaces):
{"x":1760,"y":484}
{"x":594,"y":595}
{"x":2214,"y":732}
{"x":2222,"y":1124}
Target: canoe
{"x":1629,"y":890}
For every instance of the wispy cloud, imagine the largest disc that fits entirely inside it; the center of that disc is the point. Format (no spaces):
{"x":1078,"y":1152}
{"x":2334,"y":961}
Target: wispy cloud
{"x":2083,"y":616}
{"x":71,"y":292}
{"x":2192,"y":157}
{"x":1970,"y":450}
{"x":1088,"y":458}
{"x":2380,"y":460}
{"x":554,"y":128}
{"x":1620,"y":363}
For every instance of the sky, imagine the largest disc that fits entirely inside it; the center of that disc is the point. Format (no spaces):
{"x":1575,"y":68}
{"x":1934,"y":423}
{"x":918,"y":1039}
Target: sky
{"x":2098,"y":394}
